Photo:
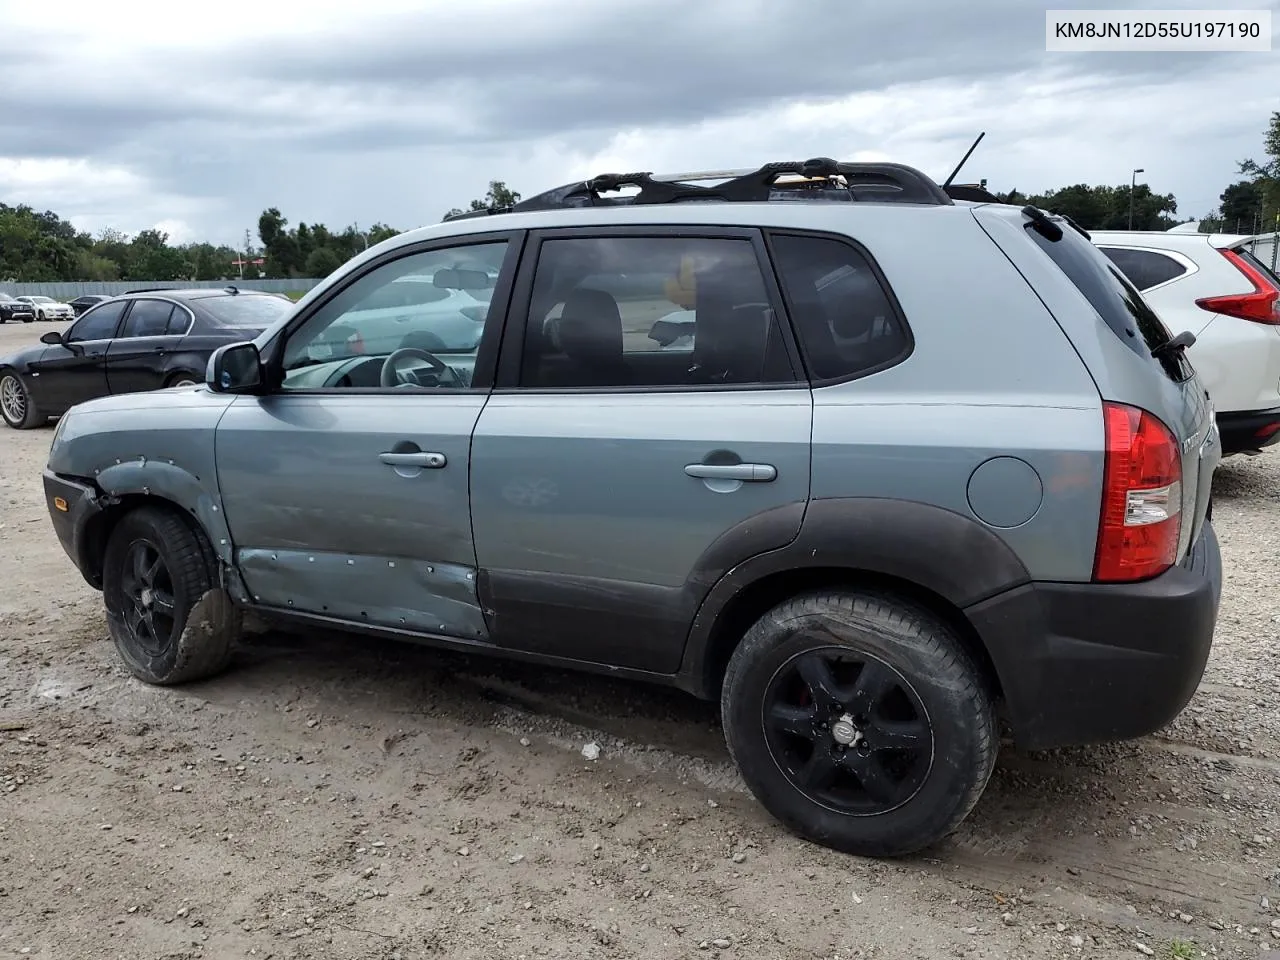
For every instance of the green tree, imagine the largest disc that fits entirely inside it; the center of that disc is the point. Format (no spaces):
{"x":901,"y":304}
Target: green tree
{"x":1265,"y":174}
{"x":497,"y":197}
{"x":322,"y":261}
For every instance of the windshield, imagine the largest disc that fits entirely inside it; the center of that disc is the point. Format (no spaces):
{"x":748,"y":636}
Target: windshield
{"x":41,"y":299}
{"x":246,"y":309}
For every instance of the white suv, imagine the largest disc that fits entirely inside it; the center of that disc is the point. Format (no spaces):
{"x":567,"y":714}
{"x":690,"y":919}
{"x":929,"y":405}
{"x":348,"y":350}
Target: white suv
{"x":1212,"y":285}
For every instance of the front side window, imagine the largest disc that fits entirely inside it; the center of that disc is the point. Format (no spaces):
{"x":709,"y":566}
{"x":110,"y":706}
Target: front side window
{"x":415,"y":322}
{"x":651,"y":312}
{"x":98,"y":324}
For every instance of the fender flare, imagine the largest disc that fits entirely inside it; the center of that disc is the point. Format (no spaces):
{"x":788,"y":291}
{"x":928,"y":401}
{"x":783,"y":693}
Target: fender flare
{"x":164,"y":480}
{"x":939,"y":550}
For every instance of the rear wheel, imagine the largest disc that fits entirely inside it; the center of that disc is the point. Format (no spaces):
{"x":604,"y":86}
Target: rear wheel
{"x":17,"y":406}
{"x":182,"y":380}
{"x":169,"y":618}
{"x":859,"y":722}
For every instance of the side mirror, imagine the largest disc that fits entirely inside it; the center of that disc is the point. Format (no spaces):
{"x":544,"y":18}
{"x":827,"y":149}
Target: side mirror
{"x":235,"y":368}
{"x":53,"y":338}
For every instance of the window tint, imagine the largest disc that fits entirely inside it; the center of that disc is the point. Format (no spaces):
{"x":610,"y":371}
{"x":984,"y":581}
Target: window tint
{"x":246,"y":309}
{"x":98,"y":323}
{"x":1116,"y":300}
{"x":843,"y":316}
{"x":1144,"y":268}
{"x":651,"y":312}
{"x":148,"y":318}
{"x":346,"y":342}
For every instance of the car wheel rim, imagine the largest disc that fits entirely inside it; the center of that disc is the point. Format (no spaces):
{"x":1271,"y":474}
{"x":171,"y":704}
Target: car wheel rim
{"x":184,"y":382}
{"x":13,"y":399}
{"x":148,"y":595}
{"x":848,"y":731}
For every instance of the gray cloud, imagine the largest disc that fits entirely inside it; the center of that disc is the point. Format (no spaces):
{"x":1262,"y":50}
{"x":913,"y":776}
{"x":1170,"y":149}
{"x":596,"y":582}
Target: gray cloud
{"x":399,"y":116}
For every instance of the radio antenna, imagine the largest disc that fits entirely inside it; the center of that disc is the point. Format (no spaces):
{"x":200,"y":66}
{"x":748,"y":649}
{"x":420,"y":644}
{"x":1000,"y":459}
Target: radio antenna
{"x":964,"y":159}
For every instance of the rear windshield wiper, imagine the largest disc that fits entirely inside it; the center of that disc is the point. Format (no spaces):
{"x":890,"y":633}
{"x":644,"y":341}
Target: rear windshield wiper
{"x":1183,"y":340}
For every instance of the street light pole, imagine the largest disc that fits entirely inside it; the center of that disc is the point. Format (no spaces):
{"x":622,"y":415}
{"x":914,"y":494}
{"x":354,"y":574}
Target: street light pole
{"x":1133,"y":186}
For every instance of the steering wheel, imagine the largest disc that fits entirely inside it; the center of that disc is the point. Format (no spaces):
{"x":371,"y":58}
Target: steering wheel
{"x":390,"y":376}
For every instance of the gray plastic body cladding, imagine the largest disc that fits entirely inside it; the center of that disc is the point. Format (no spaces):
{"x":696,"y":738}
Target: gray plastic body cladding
{"x":944,"y":552}
{"x":991,"y":376}
{"x":1121,"y":375}
{"x":590,"y":532}
{"x":322,"y":526}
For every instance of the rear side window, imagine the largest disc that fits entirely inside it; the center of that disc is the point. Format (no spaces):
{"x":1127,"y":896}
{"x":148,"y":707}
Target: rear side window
{"x":1144,"y":268}
{"x":1111,"y":293}
{"x":842,"y":313}
{"x":148,"y":318}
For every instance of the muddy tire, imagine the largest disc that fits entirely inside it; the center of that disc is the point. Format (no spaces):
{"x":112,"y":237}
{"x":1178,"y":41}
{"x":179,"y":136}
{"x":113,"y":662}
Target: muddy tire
{"x":169,"y":618}
{"x":859,"y":722}
{"x":17,"y":406}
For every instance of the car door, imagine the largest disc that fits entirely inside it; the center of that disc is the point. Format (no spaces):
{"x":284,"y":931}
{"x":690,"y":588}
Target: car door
{"x":136,"y":359}
{"x":348,"y":499}
{"x":76,"y":370}
{"x":615,"y":481}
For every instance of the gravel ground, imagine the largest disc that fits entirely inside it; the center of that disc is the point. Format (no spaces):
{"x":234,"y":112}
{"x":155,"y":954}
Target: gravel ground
{"x":353,"y":798}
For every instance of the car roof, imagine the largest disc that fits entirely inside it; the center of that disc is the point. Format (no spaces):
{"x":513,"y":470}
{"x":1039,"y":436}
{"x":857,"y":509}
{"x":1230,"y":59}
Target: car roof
{"x":1162,"y":239}
{"x":192,"y":293}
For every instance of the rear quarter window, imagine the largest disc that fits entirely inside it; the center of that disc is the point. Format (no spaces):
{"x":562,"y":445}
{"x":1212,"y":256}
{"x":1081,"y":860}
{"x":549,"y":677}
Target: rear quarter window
{"x":847,"y":323}
{"x":1144,"y":268}
{"x":1113,"y":296}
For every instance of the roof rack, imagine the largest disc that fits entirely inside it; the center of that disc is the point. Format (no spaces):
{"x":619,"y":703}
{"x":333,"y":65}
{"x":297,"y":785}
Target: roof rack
{"x":817,"y":179}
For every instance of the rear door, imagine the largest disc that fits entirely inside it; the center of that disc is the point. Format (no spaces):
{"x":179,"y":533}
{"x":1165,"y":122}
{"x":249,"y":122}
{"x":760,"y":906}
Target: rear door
{"x":77,"y":370}
{"x":137,"y":358}
{"x":613,"y":482}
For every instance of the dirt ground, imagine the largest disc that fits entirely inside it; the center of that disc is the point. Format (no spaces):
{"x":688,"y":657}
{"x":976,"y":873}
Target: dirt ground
{"x":364,"y":799}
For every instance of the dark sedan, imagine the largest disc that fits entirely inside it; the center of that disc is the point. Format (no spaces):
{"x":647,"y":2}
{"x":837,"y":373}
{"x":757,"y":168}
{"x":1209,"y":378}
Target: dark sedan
{"x":81,"y":304}
{"x":143,"y":340}
{"x":13,"y":309}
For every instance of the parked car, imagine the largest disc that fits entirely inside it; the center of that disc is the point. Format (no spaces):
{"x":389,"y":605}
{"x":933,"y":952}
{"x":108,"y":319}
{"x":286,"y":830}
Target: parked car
{"x":47,"y":308}
{"x":141,"y":341}
{"x":925,"y":460}
{"x":1212,"y":286}
{"x":12,"y":308}
{"x":81,"y":304}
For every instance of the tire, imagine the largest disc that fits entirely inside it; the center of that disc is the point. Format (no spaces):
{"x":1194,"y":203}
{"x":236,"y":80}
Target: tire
{"x":169,"y":618}
{"x":781,"y":725}
{"x":40,"y":316}
{"x":17,"y":407}
{"x":183,"y":380}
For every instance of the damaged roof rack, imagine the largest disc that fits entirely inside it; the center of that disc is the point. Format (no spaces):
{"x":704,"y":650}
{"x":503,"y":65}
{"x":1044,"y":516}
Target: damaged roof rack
{"x":817,"y":179}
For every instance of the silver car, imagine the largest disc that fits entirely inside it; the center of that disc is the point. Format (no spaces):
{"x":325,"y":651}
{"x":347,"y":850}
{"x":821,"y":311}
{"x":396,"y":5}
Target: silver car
{"x":924,"y":462}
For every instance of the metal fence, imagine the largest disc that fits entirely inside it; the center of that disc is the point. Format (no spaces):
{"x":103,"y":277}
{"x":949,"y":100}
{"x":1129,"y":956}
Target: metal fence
{"x":69,"y":290}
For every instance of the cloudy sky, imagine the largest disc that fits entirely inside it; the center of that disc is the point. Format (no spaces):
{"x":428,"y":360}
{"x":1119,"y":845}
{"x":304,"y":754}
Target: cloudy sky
{"x":195,"y":117}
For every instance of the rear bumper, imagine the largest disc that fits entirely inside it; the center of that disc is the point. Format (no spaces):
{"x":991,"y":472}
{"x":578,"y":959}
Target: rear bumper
{"x":71,"y":505}
{"x":1090,"y":663}
{"x":1249,"y":430}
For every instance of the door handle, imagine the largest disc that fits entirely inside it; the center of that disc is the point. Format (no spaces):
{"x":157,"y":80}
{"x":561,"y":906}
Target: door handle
{"x":749,"y":472}
{"x":419,"y":459}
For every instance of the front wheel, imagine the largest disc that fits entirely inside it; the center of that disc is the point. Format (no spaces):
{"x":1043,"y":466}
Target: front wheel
{"x":859,"y":722}
{"x":169,"y":618}
{"x":17,"y":406}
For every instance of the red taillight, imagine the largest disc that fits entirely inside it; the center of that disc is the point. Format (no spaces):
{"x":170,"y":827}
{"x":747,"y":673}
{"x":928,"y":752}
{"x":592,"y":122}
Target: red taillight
{"x":1261,"y":306}
{"x":1141,"y":497}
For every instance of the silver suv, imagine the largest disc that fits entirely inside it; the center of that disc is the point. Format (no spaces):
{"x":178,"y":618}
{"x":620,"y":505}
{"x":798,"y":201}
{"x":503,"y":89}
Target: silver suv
{"x":912,"y":463}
